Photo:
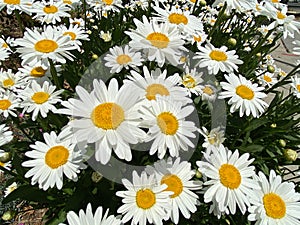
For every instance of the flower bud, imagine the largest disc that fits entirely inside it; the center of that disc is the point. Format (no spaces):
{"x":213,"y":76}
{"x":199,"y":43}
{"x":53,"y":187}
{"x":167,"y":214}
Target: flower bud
{"x":5,"y":157}
{"x":198,"y":174}
{"x":232,"y":42}
{"x":290,"y":154}
{"x":282,"y":143}
{"x":202,"y":3}
{"x":95,"y":56}
{"x":96,"y":177}
{"x":271,"y":69}
{"x":273,"y":125}
{"x":8,"y":215}
{"x":258,"y":55}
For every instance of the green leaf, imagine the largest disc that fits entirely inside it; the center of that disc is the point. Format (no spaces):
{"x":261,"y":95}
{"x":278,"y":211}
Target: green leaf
{"x":60,"y":218}
{"x":251,"y":148}
{"x":256,"y":123}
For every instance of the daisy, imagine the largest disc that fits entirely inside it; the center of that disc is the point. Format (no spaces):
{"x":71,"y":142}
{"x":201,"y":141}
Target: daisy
{"x":87,"y":218}
{"x":275,"y":203}
{"x":197,"y":37}
{"x":10,"y":189}
{"x":76,"y":33}
{"x":217,"y":59}
{"x":159,"y":41}
{"x":12,"y":5}
{"x":183,"y":19}
{"x":36,"y":46}
{"x":11,"y":81}
{"x":177,"y":175}
{"x":150,"y":85}
{"x":191,"y":81}
{"x":296,"y":85}
{"x":244,"y":95}
{"x":8,"y":104}
{"x":208,"y":93}
{"x":213,"y":138}
{"x":267,"y":79}
{"x":120,"y":58}
{"x":51,"y":11}
{"x":145,"y":200}
{"x":52,"y":159}
{"x":105,"y":5}
{"x":5,"y":135}
{"x":40,"y":99}
{"x":77,"y":21}
{"x":4,"y":54}
{"x":167,"y":126}
{"x":230,"y":179}
{"x":239,"y":5}
{"x":106,"y":117}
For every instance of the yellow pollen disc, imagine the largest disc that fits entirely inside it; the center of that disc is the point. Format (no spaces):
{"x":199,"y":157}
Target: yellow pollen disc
{"x":108,"y":116}
{"x":267,"y":78}
{"x":244,"y":92}
{"x":4,"y":104}
{"x":207,"y":90}
{"x":212,"y":139}
{"x":280,"y":15}
{"x":40,"y":97}
{"x":46,"y":46}
{"x":188,"y":81}
{"x":71,"y":34}
{"x":193,"y":1}
{"x":183,"y":59}
{"x":257,"y":7}
{"x":8,"y":83}
{"x":167,"y":123}
{"x":4,"y":45}
{"x":67,"y":2}
{"x":174,"y":184}
{"x":2,"y":164}
{"x":298,"y":87}
{"x":274,"y":205}
{"x":197,"y":38}
{"x":178,"y":18}
{"x":158,"y":40}
{"x":76,"y":23}
{"x":155,"y":89}
{"x":145,"y":199}
{"x":275,"y":1}
{"x":50,"y":9}
{"x":218,"y":55}
{"x":38,"y":72}
{"x":230,"y":176}
{"x":108,"y":2}
{"x":123,"y":59}
{"x":56,"y":156}
{"x":12,"y":2}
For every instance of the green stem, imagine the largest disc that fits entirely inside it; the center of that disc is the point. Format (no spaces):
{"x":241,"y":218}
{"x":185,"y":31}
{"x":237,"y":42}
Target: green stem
{"x":54,"y":74}
{"x":217,"y":23}
{"x":9,"y":172}
{"x":18,"y":16}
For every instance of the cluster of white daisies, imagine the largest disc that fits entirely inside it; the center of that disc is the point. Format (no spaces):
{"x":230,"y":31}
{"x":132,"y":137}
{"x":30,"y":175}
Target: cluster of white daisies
{"x":151,"y":106}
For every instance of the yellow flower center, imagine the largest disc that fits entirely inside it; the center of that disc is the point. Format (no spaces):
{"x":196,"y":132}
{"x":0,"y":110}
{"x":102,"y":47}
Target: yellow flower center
{"x":56,"y":156}
{"x":71,"y":34}
{"x":174,"y":184}
{"x":193,"y":1}
{"x":230,"y":176}
{"x":218,"y":55}
{"x":46,"y":46}
{"x":2,"y":164}
{"x":167,"y":123}
{"x":145,"y":199}
{"x":188,"y":81}
{"x":275,"y":1}
{"x":50,"y":9}
{"x":155,"y":89}
{"x":212,"y":139}
{"x":4,"y":45}
{"x":274,"y":206}
{"x":208,"y":90}
{"x":108,"y":116}
{"x":267,"y":78}
{"x":76,"y":23}
{"x":123,"y":59}
{"x":108,"y":2}
{"x":40,"y":97}
{"x":68,"y":2}
{"x":8,"y":83}
{"x":280,"y":15}
{"x":158,"y":40}
{"x":178,"y":18}
{"x":12,"y":2}
{"x":244,"y":92}
{"x":257,"y":7}
{"x":38,"y":72}
{"x":197,"y":38}
{"x":298,"y":87}
{"x":4,"y":104}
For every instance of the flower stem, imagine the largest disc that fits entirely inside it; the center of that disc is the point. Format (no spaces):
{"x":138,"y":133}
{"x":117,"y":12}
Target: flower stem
{"x":54,"y":74}
{"x":18,"y":16}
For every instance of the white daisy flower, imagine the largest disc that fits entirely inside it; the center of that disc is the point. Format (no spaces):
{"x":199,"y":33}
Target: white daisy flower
{"x":208,"y":93}
{"x":76,"y":33}
{"x":197,"y":37}
{"x":6,"y":43}
{"x":8,"y":104}
{"x":295,"y":85}
{"x":88,"y":218}
{"x":267,"y":78}
{"x":11,"y":81}
{"x":10,"y":189}
{"x":244,"y":95}
{"x":230,"y":179}
{"x":159,"y":41}
{"x":276,"y":203}
{"x":177,"y":175}
{"x":150,"y":85}
{"x":120,"y":58}
{"x":145,"y":200}
{"x":40,"y":99}
{"x":213,"y":138}
{"x":191,"y":80}
{"x":51,"y":11}
{"x":12,"y":5}
{"x":4,"y":54}
{"x":51,"y":160}
{"x":105,"y":5}
{"x":77,"y":21}
{"x":240,"y":5}
{"x":5,"y":134}
{"x":183,"y":19}
{"x":217,"y":59}
{"x":106,"y":117}
{"x":167,"y":126}
{"x":36,"y":46}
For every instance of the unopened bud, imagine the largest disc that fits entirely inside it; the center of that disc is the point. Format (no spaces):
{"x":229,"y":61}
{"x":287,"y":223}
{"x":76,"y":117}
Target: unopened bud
{"x":271,"y":69}
{"x":198,"y":174}
{"x":95,"y":56}
{"x":5,"y":157}
{"x":8,"y":215}
{"x":96,"y":177}
{"x":273,"y":125}
{"x":282,"y":143}
{"x":258,"y":55}
{"x":232,"y":42}
{"x":202,"y":3}
{"x":290,"y":155}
